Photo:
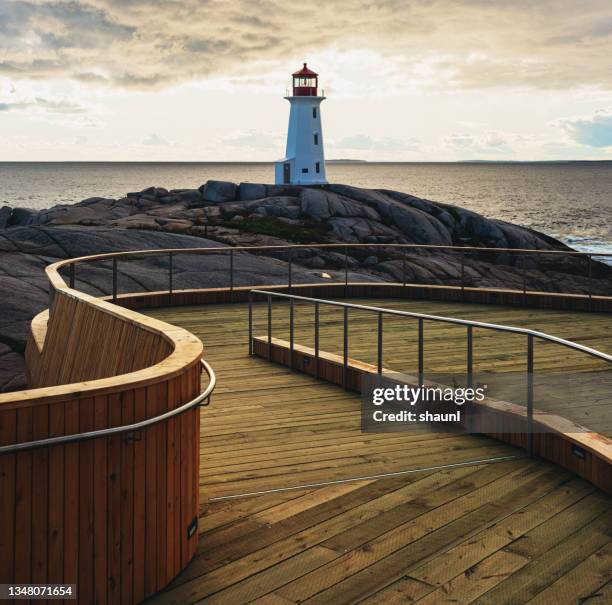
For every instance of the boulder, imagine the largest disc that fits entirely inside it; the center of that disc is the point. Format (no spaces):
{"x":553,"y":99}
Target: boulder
{"x":314,"y":204}
{"x":251,"y":191}
{"x":70,"y":215}
{"x":93,"y":200}
{"x":12,"y":370}
{"x":147,"y":191}
{"x":23,"y":216}
{"x":191,"y":195}
{"x":219,"y":191}
{"x":5,"y":216}
{"x":145,"y":203}
{"x":343,"y":206}
{"x":290,"y":190}
{"x":419,"y":227}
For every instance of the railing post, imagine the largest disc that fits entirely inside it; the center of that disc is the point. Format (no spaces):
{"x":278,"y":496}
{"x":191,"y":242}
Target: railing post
{"x":404,"y":267}
{"x":530,"y":394}
{"x":470,"y":358}
{"x":590,"y":282}
{"x":290,"y":277}
{"x":345,"y":271}
{"x":269,"y":328}
{"x":71,"y":274}
{"x":291,"y":334}
{"x":345,"y":350}
{"x":421,"y":353}
{"x":462,"y":273}
{"x":379,"y":355}
{"x":316,"y":343}
{"x":51,"y":297}
{"x":231,"y":274}
{"x":115,"y":279}
{"x":170,"y":274}
{"x":524,"y":266}
{"x":250,"y":323}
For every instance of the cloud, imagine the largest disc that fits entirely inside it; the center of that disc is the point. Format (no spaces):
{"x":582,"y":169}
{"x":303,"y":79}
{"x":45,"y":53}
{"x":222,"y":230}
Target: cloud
{"x":593,"y":131}
{"x":363,"y":142}
{"x":462,"y":44}
{"x":254,"y":139}
{"x":487,"y":144}
{"x":60,"y":106}
{"x":154,"y":140}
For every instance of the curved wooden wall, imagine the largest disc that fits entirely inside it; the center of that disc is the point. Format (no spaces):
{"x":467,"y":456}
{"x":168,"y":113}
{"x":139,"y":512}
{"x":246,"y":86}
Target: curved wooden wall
{"x":117,"y":516}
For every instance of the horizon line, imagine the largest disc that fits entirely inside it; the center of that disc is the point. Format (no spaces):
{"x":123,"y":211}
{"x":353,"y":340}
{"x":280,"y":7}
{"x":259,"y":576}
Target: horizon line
{"x":332,"y":160}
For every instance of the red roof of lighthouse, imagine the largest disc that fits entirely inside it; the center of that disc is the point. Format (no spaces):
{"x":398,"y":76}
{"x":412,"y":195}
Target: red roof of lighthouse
{"x":304,"y":72}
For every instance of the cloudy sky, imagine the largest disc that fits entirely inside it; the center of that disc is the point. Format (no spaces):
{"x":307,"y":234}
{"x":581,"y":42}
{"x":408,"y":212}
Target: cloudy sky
{"x":413,"y":80}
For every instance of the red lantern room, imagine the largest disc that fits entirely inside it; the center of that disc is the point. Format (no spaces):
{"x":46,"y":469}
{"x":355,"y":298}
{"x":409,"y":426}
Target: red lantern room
{"x":305,"y":82}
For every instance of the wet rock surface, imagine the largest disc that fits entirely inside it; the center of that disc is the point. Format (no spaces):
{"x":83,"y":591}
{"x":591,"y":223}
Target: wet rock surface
{"x":252,"y":214}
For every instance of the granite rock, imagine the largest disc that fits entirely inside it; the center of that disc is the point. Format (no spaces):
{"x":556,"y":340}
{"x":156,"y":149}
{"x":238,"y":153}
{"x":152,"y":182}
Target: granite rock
{"x":219,"y":191}
{"x":215,"y":215}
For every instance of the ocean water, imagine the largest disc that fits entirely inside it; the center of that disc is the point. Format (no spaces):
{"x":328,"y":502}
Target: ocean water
{"x":571,"y":201}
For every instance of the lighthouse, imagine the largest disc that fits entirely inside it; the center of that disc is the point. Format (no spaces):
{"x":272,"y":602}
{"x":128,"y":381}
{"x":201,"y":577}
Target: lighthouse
{"x":304,"y":161}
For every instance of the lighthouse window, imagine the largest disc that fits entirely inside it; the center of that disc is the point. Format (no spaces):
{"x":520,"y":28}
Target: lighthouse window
{"x":304,"y":170}
{"x":314,"y":112}
{"x":317,"y":167}
{"x":316,"y":139}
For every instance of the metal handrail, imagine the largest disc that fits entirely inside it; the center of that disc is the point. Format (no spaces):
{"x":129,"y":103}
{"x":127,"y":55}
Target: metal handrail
{"x":221,"y":248}
{"x":451,"y":320}
{"x":126,"y":428}
{"x":421,"y":317}
{"x":402,"y":249}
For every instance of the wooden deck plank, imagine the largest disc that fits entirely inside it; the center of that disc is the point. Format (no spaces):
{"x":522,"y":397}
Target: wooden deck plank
{"x":521,"y":529}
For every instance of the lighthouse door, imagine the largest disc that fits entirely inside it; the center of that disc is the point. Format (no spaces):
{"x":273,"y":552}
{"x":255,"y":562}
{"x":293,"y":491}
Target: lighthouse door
{"x":286,"y":173}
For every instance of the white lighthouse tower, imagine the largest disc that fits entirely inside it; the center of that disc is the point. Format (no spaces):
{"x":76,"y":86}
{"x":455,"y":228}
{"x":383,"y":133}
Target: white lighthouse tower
{"x":304,"y":161}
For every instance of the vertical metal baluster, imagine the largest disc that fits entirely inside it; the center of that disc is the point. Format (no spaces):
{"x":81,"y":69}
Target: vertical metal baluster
{"x":462,"y":273}
{"x":250,"y":323}
{"x":317,"y":340}
{"x":590,"y":282}
{"x":72,"y":271}
{"x":524,"y":263}
{"x":380,"y":343}
{"x":291,"y":333}
{"x":530,"y":394}
{"x":115,"y":280}
{"x":404,"y":268}
{"x":345,"y":352}
{"x":290,"y":270}
{"x":421,"y":353}
{"x":231,"y":275}
{"x":345,"y":271}
{"x":269,"y":327}
{"x":470,"y":358}
{"x":170,"y":274}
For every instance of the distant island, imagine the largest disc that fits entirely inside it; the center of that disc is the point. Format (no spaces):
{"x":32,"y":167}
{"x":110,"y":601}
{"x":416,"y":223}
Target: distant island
{"x":533,"y":161}
{"x":346,"y":161}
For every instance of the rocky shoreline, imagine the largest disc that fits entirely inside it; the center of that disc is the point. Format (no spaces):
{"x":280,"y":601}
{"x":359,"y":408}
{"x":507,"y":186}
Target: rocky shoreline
{"x":227,"y":214}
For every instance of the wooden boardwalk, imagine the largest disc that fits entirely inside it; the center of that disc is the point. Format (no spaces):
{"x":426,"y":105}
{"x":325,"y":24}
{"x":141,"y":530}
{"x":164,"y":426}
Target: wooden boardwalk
{"x":513,"y":531}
